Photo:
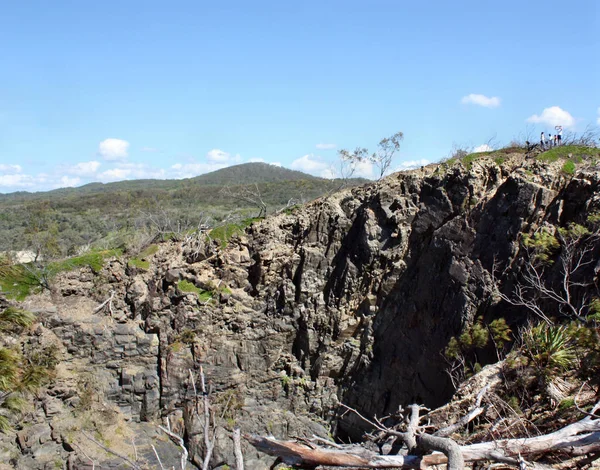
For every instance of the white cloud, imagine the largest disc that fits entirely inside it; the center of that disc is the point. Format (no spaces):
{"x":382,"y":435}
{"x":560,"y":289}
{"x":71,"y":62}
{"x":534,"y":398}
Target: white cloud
{"x":553,"y":116}
{"x":84,"y":168}
{"x":220,"y":156}
{"x":189,"y":170}
{"x":482,"y":148}
{"x":17,"y":181}
{"x":412,"y":164}
{"x":134,"y":171}
{"x":262,"y":160}
{"x":113,"y":149}
{"x":363,"y":169}
{"x":67,"y":182}
{"x":309,"y":164}
{"x":114,"y":174}
{"x":10,"y":169}
{"x":481,"y":100}
{"x":325,"y":146}
{"x":329,"y":174}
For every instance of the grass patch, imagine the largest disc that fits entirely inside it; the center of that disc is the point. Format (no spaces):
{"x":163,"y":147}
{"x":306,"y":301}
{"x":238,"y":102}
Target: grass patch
{"x":93,"y":259}
{"x":188,"y":287}
{"x":138,"y":263}
{"x":149,"y":251}
{"x":224,"y":233}
{"x":569,"y":167}
{"x":573,"y":152}
{"x":469,"y":159}
{"x":291,"y":210}
{"x":499,"y":160}
{"x":20,"y":280}
{"x":566,"y":404}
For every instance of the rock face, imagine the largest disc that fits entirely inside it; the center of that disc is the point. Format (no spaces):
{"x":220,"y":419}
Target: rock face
{"x":352,"y":298}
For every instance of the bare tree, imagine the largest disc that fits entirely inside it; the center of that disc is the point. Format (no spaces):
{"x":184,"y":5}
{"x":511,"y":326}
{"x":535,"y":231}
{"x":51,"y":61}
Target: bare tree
{"x":381,"y":158}
{"x":571,"y":294}
{"x":588,"y":138}
{"x":248,"y":194}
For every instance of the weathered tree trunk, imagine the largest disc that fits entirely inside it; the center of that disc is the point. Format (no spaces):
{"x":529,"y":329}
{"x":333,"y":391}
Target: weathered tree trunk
{"x":579,"y":438}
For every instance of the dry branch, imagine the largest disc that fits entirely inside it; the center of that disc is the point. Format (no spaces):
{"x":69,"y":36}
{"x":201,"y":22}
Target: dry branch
{"x":579,"y":438}
{"x":110,"y":451}
{"x":105,"y":303}
{"x":181,"y":443}
{"x":237,"y":449}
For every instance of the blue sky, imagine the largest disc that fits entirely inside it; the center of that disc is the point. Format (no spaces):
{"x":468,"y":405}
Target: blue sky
{"x":104,"y":91}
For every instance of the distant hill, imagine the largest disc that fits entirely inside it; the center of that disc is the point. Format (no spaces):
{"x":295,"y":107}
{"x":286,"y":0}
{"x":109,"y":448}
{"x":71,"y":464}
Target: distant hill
{"x":93,"y":211}
{"x":243,"y":174}
{"x":251,"y":173}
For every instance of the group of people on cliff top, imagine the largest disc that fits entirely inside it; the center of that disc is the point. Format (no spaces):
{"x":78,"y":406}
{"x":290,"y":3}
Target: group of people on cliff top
{"x":552,"y":140}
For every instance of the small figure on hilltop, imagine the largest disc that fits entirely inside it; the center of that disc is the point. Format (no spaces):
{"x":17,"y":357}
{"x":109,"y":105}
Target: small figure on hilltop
{"x":559,"y":135}
{"x":542,"y":140}
{"x":550,"y":141}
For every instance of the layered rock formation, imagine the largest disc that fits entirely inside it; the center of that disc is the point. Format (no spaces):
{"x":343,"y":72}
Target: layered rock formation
{"x":351,"y":298}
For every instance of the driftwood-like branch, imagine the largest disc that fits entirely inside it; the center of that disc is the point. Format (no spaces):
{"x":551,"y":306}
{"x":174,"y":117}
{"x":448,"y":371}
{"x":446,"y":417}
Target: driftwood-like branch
{"x":110,"y":451}
{"x":209,"y":441}
{"x":179,"y":440}
{"x":157,"y":457}
{"x":470,"y":416}
{"x":105,"y":303}
{"x":237,"y":449}
{"x":576,"y":439}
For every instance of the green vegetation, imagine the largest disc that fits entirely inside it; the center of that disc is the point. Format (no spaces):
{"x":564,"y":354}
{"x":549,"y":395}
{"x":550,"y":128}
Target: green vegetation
{"x":13,"y":318}
{"x":569,"y":167}
{"x":574,"y":152}
{"x":22,"y":369}
{"x":94,"y":259}
{"x":187,"y":287}
{"x":462,"y":350}
{"x":20,"y":280}
{"x":549,"y":347}
{"x":543,"y":244}
{"x":469,"y":159}
{"x":499,"y":160}
{"x":57,"y":223}
{"x":140,"y":261}
{"x":223,"y":233}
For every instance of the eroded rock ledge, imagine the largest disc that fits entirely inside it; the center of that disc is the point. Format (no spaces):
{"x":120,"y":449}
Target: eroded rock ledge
{"x":350,"y":298}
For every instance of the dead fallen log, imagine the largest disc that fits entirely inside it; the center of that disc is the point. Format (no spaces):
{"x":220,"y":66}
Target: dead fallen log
{"x":579,"y":438}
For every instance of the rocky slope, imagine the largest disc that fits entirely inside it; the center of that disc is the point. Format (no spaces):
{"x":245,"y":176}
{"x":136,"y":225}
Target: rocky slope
{"x":351,"y":298}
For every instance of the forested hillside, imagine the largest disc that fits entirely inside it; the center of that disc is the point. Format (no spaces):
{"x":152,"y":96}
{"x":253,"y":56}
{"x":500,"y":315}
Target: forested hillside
{"x":97,"y":213}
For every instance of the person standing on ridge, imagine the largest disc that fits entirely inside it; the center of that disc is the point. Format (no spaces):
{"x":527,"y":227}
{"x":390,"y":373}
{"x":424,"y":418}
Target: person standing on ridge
{"x":559,"y":136}
{"x":549,"y":140}
{"x":542,"y":140}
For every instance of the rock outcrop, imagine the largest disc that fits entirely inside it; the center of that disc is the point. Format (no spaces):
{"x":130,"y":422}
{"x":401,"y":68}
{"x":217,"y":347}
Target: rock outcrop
{"x":351,"y":298}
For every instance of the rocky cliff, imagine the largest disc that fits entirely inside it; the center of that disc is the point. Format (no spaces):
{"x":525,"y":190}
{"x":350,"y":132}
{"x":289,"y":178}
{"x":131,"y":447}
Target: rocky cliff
{"x":351,"y":298}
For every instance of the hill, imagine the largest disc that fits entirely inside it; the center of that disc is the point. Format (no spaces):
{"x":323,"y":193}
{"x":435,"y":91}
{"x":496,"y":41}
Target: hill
{"x":89,"y":213}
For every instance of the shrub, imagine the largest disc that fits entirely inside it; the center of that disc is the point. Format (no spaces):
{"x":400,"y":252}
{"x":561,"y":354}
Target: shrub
{"x":550,"y":348}
{"x":500,"y":332}
{"x":569,"y":167}
{"x":187,"y":287}
{"x":543,"y":243}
